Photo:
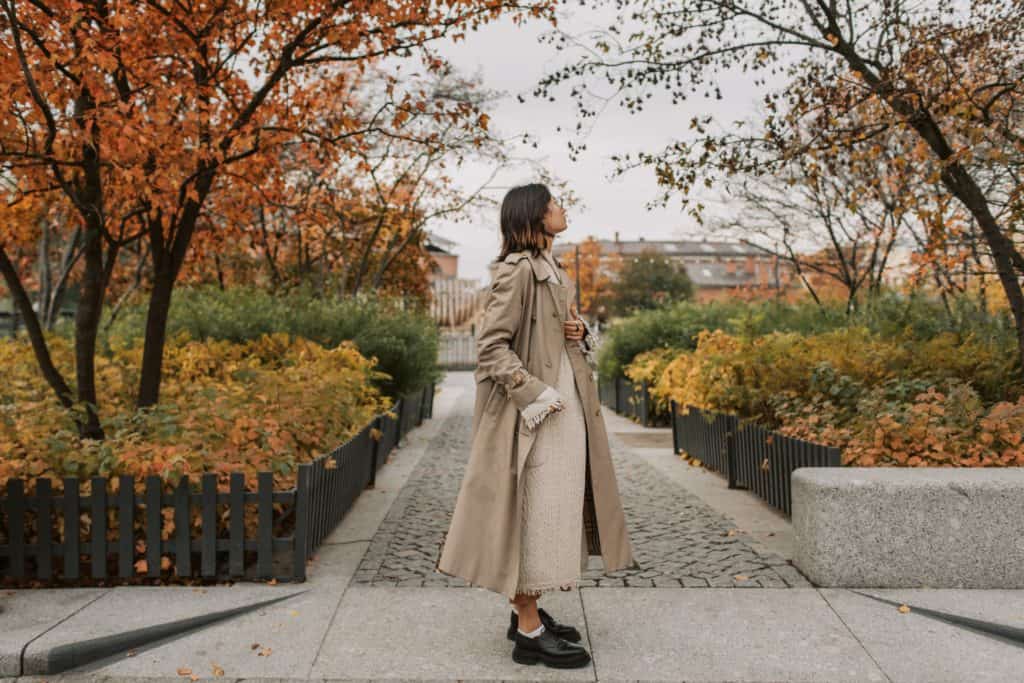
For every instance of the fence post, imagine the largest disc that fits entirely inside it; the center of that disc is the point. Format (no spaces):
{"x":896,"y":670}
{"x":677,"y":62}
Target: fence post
{"x":675,"y":428}
{"x":400,"y":431}
{"x":644,"y":403}
{"x":375,"y":450}
{"x":834,"y":457}
{"x":301,"y":539}
{"x":730,"y":450}
{"x":16,"y":527}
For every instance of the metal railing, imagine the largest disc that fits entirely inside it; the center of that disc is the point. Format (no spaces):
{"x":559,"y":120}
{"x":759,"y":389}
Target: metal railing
{"x":749,"y":456}
{"x":627,"y":398}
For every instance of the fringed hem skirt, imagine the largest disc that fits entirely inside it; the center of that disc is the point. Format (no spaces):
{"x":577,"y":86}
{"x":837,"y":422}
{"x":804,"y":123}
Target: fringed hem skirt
{"x":553,"y":547}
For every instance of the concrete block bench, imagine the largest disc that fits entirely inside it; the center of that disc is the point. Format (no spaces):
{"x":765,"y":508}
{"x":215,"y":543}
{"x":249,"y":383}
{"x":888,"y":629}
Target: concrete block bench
{"x":893,"y":527}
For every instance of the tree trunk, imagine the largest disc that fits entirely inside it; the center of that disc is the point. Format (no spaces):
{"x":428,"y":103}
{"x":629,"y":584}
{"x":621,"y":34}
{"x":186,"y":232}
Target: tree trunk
{"x":156,"y":336}
{"x":23,"y":305}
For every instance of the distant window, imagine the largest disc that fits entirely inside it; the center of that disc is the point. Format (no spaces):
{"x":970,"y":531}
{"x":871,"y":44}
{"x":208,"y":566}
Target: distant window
{"x":738,"y":248}
{"x":706,"y":271}
{"x":706,"y":247}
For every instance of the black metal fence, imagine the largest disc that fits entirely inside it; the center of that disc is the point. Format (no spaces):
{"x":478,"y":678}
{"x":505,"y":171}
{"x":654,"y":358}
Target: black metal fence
{"x":627,"y":398}
{"x":748,"y":455}
{"x":325,"y":490}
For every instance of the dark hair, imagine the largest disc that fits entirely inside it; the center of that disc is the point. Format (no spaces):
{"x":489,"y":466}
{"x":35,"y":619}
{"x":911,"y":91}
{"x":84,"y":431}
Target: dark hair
{"x":522,"y":219}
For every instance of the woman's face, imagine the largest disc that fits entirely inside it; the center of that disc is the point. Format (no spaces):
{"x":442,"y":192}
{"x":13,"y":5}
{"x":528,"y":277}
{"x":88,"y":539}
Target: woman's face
{"x":554,"y":219}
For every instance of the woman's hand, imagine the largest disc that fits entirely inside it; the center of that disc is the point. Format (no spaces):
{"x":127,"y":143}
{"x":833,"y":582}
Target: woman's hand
{"x":573,"y":329}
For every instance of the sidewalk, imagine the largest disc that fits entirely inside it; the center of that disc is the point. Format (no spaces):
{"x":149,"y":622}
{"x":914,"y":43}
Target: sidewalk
{"x":708,"y":605}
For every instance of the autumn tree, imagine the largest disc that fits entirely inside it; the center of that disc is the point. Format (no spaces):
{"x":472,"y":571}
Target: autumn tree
{"x":139,"y":113}
{"x":649,"y":280}
{"x":835,"y":225}
{"x":594,"y":277}
{"x":946,"y":74}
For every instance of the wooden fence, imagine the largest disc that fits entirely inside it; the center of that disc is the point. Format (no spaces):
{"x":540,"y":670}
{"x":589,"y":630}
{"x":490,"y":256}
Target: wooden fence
{"x":325,"y":490}
{"x":455,"y":301}
{"x":457,"y":351}
{"x":748,"y":455}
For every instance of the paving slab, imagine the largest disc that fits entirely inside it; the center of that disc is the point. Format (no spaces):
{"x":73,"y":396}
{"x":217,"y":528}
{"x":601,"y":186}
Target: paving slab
{"x":755,"y":635}
{"x":288,"y":633}
{"x":26,"y":614}
{"x":913,"y":647}
{"x":435,"y":634}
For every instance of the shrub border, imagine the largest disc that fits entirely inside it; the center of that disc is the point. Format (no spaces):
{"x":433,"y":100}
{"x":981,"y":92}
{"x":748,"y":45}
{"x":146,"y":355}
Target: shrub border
{"x":325,"y":490}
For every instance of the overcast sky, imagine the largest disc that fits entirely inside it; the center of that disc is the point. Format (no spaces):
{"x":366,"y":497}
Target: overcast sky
{"x":511,"y":59}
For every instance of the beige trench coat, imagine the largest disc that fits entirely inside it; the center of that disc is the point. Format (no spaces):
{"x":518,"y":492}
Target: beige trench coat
{"x":518,"y":354}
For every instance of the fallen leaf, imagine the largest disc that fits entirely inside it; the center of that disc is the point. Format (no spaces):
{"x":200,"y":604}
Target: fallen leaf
{"x":903,"y":609}
{"x":130,"y":653}
{"x":184,"y":671}
{"x":264,"y":652}
{"x":272,"y":582}
{"x":254,"y":646}
{"x":217,"y":671}
{"x":294,"y":612}
{"x":741,"y":577}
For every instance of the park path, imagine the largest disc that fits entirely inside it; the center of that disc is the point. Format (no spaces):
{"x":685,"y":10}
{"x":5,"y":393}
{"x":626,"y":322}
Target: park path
{"x":679,"y":540}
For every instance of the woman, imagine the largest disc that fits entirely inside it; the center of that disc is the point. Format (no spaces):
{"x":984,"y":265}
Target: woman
{"x":539,"y":493}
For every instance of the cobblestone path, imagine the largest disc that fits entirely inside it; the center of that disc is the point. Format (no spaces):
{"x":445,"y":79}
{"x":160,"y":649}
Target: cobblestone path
{"x":679,"y":541}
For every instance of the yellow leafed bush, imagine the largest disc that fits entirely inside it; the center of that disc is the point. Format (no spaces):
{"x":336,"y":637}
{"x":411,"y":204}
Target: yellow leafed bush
{"x":884,"y":401}
{"x":224,"y":407}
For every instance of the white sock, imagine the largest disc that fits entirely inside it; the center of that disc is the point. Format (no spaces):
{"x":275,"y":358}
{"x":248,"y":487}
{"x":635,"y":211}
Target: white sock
{"x":534,"y":633}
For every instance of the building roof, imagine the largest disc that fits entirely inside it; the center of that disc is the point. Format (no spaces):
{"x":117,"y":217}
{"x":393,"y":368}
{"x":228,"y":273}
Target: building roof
{"x":668,"y":247}
{"x":717,"y":275}
{"x":435,"y":242}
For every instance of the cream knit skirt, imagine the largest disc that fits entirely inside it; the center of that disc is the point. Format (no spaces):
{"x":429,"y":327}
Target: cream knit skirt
{"x":553,"y":548}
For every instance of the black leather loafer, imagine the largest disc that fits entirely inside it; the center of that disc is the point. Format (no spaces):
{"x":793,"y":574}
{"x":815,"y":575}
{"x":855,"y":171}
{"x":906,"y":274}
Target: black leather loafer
{"x":549,"y":649}
{"x":561,"y":630}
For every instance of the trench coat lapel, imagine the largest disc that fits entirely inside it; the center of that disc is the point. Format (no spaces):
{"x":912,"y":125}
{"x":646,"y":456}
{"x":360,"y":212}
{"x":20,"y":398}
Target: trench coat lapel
{"x":557,"y":291}
{"x":542,"y":273}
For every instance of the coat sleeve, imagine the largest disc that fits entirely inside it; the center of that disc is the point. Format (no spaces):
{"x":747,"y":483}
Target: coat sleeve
{"x":495,"y":357}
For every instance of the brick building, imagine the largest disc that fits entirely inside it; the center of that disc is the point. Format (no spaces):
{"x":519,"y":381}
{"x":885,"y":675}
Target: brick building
{"x":718,"y":269}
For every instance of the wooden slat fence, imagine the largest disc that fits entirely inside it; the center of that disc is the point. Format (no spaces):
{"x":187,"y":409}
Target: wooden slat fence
{"x":290,"y":524}
{"x":457,"y":350}
{"x":748,"y":455}
{"x":456,"y":300}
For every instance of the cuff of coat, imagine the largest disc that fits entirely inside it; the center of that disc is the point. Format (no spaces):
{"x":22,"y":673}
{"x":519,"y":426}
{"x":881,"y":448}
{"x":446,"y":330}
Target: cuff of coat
{"x":527,"y":392}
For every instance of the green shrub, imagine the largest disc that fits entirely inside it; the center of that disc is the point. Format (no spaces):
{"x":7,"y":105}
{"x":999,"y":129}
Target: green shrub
{"x":404,"y":340}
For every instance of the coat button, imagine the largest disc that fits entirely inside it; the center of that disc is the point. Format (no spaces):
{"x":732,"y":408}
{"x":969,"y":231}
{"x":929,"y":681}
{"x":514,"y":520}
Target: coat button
{"x":554,"y":314}
{"x":547,"y":363}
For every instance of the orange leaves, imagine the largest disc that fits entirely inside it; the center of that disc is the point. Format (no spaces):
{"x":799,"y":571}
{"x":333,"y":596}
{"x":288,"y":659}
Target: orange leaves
{"x":315,"y":398}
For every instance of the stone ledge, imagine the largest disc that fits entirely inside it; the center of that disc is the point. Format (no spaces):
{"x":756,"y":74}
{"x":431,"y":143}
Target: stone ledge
{"x":888,"y":527}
